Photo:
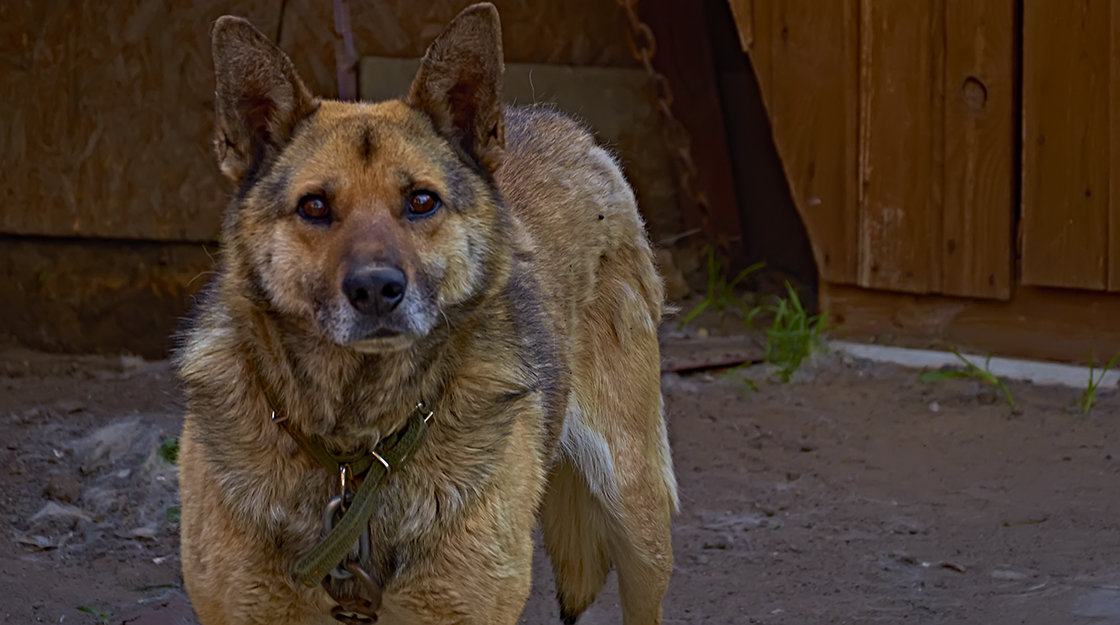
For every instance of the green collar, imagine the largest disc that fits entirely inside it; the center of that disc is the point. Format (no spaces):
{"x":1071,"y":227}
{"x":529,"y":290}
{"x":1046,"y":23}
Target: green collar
{"x":373,"y":467}
{"x":358,"y":463}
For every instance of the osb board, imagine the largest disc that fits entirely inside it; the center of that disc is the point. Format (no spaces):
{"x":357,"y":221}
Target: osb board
{"x":616,"y":104}
{"x":905,"y":179}
{"x":1039,"y":323}
{"x":81,"y":295}
{"x":1068,"y":111}
{"x":108,"y":106}
{"x":554,"y":32}
{"x":107,"y":117}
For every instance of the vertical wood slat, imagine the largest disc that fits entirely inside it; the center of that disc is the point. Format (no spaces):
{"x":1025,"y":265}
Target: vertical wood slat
{"x":1065,"y":230}
{"x":900,"y":122}
{"x":752,"y":19}
{"x":979,"y":174}
{"x":805,"y":56}
{"x":1114,"y":153}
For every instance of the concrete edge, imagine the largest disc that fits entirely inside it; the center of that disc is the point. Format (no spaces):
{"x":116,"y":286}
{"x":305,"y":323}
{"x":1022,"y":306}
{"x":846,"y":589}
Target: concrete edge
{"x":1010,"y":368}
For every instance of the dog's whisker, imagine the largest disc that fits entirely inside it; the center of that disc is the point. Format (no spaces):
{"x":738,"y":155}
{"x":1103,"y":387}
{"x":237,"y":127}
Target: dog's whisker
{"x":200,"y":274}
{"x":446,"y":320}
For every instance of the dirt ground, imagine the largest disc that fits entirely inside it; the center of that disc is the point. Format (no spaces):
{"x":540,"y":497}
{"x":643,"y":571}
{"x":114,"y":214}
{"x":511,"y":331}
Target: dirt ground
{"x":852,"y":494}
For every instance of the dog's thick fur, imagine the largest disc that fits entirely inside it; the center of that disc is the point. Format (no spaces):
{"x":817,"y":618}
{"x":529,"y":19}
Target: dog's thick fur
{"x":529,"y":324}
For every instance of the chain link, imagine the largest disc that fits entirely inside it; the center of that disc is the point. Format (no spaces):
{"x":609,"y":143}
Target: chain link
{"x":643,"y":45}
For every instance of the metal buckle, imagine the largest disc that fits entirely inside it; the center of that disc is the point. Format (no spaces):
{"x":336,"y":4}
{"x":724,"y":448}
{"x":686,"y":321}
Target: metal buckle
{"x":421,"y":407}
{"x":384,"y":462}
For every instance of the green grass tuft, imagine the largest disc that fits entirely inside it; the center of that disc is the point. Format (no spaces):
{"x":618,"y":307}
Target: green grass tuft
{"x":721,"y":291}
{"x":793,"y":335}
{"x":1089,"y":396}
{"x":972,"y":371}
{"x":169,"y":450}
{"x":100,"y":615}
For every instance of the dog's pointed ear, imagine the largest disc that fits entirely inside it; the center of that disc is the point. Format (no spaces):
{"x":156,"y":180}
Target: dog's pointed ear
{"x":459,"y":84}
{"x":258,"y":99}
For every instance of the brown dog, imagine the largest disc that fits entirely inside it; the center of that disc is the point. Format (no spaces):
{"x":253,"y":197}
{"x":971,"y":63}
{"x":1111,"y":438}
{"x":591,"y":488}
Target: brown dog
{"x":487,"y":261}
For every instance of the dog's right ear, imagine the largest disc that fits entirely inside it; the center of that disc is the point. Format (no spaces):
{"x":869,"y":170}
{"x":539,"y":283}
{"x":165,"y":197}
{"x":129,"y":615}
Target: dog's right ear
{"x":459,"y":84}
{"x":258,"y":100}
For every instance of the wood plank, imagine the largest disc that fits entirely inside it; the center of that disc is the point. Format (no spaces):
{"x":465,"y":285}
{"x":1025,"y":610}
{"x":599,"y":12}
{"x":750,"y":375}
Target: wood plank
{"x":742,"y":13}
{"x":979,"y":174}
{"x":753,"y":20}
{"x":1040,"y":323}
{"x":901,"y":51}
{"x":82,"y":295}
{"x":1114,"y":154}
{"x":813,"y":47}
{"x":1066,"y":143}
{"x":713,"y":352}
{"x":684,"y":56}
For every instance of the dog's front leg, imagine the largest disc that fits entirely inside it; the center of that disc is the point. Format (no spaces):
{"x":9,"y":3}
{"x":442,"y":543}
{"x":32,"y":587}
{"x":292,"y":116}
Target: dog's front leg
{"x":480,"y":578}
{"x":233,"y":576}
{"x":476,"y":568}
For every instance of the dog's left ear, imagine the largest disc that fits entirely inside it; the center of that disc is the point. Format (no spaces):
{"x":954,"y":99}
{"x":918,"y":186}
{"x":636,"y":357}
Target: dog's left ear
{"x":459,"y":84}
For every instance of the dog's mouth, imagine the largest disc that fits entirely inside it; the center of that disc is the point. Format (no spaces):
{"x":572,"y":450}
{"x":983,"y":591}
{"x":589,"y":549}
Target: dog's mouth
{"x":371,"y":334}
{"x":381,"y":340}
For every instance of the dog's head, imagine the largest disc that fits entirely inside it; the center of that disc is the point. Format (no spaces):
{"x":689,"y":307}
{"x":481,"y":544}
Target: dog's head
{"x":366,"y":221}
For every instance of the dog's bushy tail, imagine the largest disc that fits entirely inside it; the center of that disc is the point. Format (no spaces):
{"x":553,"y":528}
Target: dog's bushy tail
{"x":574,"y":530}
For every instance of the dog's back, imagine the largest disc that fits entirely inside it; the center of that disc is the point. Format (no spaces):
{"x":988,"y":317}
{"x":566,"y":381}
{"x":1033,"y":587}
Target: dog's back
{"x":612,"y":492}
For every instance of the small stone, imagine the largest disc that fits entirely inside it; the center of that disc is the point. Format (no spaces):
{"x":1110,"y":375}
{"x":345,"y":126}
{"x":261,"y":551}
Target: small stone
{"x":55,"y":510}
{"x":63,"y":487}
{"x":69,"y":406}
{"x":718,"y":543}
{"x":147,"y":532}
{"x":934,"y":407}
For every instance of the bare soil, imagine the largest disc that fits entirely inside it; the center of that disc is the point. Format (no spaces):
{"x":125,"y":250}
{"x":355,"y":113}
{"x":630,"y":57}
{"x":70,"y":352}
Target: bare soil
{"x":852,"y":494}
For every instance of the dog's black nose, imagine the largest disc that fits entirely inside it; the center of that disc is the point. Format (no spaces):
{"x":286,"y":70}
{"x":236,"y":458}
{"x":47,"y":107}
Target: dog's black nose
{"x":375,"y":289}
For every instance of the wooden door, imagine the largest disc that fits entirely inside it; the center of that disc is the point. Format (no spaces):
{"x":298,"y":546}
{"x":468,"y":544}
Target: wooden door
{"x":895,"y":122}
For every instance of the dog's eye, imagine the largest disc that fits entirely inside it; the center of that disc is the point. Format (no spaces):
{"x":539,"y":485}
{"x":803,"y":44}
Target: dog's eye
{"x":423,"y":203}
{"x":314,"y":208}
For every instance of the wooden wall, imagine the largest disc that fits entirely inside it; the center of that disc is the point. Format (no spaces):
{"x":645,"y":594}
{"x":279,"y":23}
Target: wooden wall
{"x":112,"y":198}
{"x":953,"y":163}
{"x":108,"y":106}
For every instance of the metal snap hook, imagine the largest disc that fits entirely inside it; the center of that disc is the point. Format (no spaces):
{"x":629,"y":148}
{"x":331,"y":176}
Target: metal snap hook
{"x":333,"y":509}
{"x":343,"y":483}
